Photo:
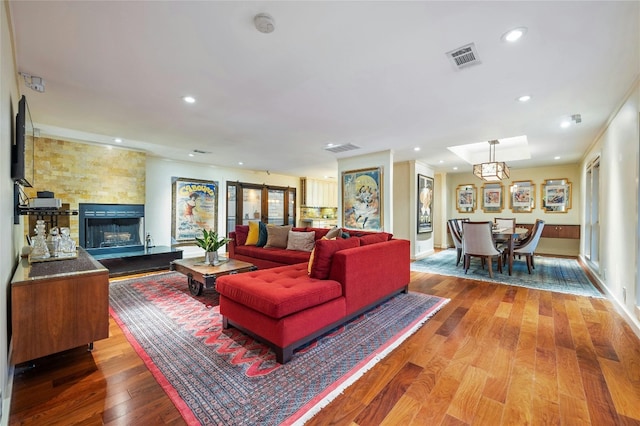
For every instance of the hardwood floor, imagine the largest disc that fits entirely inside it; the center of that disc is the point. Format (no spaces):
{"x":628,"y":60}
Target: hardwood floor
{"x":495,"y":355}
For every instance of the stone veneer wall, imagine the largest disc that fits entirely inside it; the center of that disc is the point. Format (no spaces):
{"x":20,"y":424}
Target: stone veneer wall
{"x":85,"y":173}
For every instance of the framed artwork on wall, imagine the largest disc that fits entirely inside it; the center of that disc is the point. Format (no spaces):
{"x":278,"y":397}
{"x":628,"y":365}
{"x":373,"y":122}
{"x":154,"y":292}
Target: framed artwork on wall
{"x":556,"y":195}
{"x":523,"y":195}
{"x":492,"y":196}
{"x":362,"y":199}
{"x":425,"y":204}
{"x":194,"y":207}
{"x":466,"y":198}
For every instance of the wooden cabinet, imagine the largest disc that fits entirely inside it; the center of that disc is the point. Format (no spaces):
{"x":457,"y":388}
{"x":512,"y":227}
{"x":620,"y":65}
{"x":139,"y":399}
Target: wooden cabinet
{"x":571,"y":232}
{"x":319,"y":193}
{"x":561,"y":231}
{"x":58,"y":305}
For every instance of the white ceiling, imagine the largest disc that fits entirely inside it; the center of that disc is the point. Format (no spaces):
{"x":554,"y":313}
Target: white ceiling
{"x":373,"y":74}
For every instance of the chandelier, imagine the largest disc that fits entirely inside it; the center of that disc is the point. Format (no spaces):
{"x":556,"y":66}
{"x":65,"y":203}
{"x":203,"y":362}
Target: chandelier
{"x":493,"y":170}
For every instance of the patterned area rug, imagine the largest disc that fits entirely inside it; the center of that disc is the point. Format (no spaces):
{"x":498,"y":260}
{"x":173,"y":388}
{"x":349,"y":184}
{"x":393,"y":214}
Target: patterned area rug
{"x":223,"y":377}
{"x":562,"y":275}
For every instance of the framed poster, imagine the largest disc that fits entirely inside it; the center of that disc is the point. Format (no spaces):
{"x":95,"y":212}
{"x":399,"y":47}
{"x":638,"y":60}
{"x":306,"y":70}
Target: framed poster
{"x":194,"y":207}
{"x":425,"y":204}
{"x":523,"y":195}
{"x":492,"y":198}
{"x":362,"y":199}
{"x":556,"y":195}
{"x":466,"y":198}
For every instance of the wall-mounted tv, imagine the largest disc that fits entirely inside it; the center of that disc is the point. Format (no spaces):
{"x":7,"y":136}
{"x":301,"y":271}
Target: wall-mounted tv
{"x":24,"y":135}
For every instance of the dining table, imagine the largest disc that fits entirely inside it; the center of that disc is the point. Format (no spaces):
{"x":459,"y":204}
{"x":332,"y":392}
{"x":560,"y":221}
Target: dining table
{"x":509,"y":236}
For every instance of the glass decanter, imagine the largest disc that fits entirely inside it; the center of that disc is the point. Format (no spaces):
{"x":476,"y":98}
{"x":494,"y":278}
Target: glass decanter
{"x":39,"y":242}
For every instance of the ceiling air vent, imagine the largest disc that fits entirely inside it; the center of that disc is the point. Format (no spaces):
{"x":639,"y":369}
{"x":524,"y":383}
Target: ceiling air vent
{"x":198,"y":151}
{"x":341,"y":148}
{"x":464,"y":56}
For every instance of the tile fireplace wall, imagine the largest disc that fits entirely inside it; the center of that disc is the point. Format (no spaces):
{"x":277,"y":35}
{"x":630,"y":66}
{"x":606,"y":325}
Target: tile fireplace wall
{"x":87,"y":173}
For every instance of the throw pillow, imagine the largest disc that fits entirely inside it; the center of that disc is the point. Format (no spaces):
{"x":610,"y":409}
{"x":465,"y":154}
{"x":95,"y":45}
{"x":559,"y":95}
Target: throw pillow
{"x":374,"y":238}
{"x":334,"y":232}
{"x":323,"y":256}
{"x":302,"y":241}
{"x":262,"y":234}
{"x":241,"y":234}
{"x":312,"y":256}
{"x":277,"y":236}
{"x":254,"y":233}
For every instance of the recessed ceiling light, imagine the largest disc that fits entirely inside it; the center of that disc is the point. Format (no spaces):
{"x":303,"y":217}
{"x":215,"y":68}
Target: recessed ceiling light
{"x":524,"y":98}
{"x":416,"y":149}
{"x":514,"y":34}
{"x":455,"y":168}
{"x":191,"y":154}
{"x":441,"y":161}
{"x":117,"y":140}
{"x":189,"y":99}
{"x":565,"y":124}
{"x":557,"y":157}
{"x":240,"y":163}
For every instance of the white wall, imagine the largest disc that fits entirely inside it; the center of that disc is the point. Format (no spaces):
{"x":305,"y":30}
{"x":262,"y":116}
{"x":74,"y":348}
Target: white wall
{"x":405,"y":207}
{"x":402,"y":224}
{"x":159,"y":185}
{"x":9,"y":246}
{"x":441,"y":198}
{"x":619,"y":233}
{"x":424,"y":243}
{"x":382,"y":159}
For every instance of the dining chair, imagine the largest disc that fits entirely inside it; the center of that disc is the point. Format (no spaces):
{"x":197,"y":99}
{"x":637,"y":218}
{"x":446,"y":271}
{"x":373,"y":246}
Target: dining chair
{"x":527,"y":247}
{"x":458,"y":223}
{"x":529,"y":235}
{"x":456,"y":236}
{"x":504,"y":222}
{"x":477,"y":240}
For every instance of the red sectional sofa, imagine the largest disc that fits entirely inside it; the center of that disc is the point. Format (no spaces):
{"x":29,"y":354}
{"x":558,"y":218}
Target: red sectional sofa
{"x":270,"y":257}
{"x":288,"y":306}
{"x":267,"y":257}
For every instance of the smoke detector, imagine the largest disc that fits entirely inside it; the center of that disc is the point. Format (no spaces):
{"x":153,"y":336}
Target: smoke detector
{"x":264,"y":23}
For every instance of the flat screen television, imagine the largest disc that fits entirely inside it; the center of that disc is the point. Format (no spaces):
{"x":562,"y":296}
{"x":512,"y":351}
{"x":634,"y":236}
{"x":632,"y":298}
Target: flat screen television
{"x":24,"y":134}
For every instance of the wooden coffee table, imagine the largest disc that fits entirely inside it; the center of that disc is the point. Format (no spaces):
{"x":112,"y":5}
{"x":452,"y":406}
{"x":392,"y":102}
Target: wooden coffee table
{"x":201,"y":275}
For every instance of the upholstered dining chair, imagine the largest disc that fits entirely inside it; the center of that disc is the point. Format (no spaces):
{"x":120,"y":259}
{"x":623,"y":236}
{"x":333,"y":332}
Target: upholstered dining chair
{"x":477,"y":240}
{"x":458,"y":224}
{"x":456,"y":236}
{"x":529,"y":235}
{"x":527,"y":247}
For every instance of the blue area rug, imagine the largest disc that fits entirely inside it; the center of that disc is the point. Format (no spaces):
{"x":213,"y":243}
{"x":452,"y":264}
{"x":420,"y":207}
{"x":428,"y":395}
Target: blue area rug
{"x":562,"y":275}
{"x":223,"y":377}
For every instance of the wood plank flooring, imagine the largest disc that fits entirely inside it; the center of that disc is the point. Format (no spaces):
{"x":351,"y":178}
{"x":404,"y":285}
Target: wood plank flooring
{"x":495,"y":355}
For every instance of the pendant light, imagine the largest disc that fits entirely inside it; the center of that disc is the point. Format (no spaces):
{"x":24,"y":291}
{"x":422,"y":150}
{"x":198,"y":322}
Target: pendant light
{"x":493,"y":171}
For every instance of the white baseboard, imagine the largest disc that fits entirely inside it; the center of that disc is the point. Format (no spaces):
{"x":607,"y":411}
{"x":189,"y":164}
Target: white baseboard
{"x":631,"y":318}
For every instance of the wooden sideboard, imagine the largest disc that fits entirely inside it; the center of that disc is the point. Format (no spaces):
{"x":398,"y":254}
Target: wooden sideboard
{"x":571,"y":232}
{"x":58,"y":305}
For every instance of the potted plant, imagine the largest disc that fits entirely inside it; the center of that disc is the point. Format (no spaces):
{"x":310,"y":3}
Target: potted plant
{"x":210,"y":243}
